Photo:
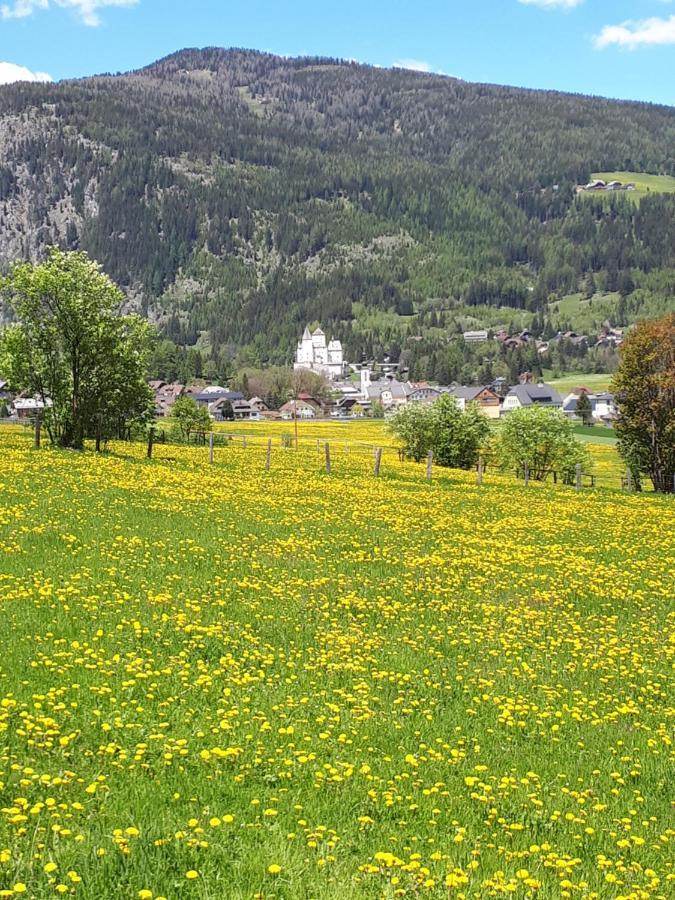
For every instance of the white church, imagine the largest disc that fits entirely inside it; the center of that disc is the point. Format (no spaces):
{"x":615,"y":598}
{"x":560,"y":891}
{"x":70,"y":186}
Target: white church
{"x":313,"y":353}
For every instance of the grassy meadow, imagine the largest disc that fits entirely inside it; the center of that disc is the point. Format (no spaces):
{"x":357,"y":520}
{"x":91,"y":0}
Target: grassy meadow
{"x":222,"y":682}
{"x":644,"y":183}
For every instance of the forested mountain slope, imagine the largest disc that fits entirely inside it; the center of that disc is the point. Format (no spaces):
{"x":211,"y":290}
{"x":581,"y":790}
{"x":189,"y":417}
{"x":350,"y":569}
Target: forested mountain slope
{"x":237,"y":195}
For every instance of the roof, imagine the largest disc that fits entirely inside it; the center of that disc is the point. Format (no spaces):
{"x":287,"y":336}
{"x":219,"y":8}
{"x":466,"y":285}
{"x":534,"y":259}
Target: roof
{"x":398,"y":389}
{"x":28,"y":403}
{"x":466,"y":393}
{"x":166,"y":391}
{"x":220,"y":394}
{"x":297,"y":404}
{"x":528,"y":394}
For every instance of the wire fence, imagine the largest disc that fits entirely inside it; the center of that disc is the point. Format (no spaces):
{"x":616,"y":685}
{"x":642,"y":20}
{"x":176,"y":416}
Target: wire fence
{"x":379,"y":458}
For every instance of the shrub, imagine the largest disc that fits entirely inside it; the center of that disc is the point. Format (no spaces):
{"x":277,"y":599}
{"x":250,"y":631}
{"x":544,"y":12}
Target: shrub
{"x":543,"y":438}
{"x":455,"y":435}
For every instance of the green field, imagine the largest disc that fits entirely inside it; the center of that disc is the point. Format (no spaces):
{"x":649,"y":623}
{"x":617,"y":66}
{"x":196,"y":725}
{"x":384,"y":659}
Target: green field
{"x":218,"y":681}
{"x":644,"y":183}
{"x":593,"y":381}
{"x":585,"y":314}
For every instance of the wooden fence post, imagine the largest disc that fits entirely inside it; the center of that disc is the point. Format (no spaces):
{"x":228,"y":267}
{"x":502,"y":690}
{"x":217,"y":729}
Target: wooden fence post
{"x":38,"y":430}
{"x":268,"y":456}
{"x":378,"y":460}
{"x":151,"y":438}
{"x":318,"y":445}
{"x":98,"y":433}
{"x":211,"y":448}
{"x":430,"y":461}
{"x":327,"y":449}
{"x":244,"y":442}
{"x":479,"y":472}
{"x":629,"y":481}
{"x":526,"y":472}
{"x":578,"y":476}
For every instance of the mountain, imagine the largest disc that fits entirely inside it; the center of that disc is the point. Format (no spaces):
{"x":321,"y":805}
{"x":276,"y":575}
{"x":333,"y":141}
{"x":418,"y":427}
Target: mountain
{"x":237,"y":195}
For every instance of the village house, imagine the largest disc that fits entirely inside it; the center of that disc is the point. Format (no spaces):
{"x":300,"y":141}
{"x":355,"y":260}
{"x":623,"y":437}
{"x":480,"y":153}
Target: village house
{"x":258,"y":404}
{"x":488,"y":401}
{"x":422,"y":392}
{"x":531,"y":395}
{"x":603,"y":407}
{"x":389,"y":392}
{"x":297,"y":408}
{"x":317,"y":405}
{"x":27,"y":407}
{"x":224,"y":409}
{"x":572,"y":336}
{"x":165,"y":396}
{"x":609,"y":336}
{"x":209,"y":395}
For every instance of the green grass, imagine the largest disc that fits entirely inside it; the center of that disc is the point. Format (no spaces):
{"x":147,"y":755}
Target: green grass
{"x":596,"y":435}
{"x":384,"y":687}
{"x":644,"y":183}
{"x":594,"y":381}
{"x":586,"y":315}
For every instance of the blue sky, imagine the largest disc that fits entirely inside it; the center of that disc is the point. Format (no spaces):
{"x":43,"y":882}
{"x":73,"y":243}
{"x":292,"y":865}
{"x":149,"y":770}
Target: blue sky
{"x":616,"y":48}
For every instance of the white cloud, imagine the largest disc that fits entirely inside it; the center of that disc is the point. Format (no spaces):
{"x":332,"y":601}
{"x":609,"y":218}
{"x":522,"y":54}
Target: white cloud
{"x":10,"y":72}
{"x":553,"y":4}
{"x":645,"y":33}
{"x":86,"y":10}
{"x":416,"y":65}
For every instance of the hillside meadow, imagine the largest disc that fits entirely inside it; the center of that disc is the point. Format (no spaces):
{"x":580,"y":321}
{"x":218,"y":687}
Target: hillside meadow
{"x":223,"y":682}
{"x":643,"y":181}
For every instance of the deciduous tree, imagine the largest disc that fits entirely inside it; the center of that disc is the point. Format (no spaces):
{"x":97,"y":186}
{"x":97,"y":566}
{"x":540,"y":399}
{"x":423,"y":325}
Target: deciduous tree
{"x":190,"y":417}
{"x":455,"y":435}
{"x":644,"y":386}
{"x":543,"y":439}
{"x":73,"y":349}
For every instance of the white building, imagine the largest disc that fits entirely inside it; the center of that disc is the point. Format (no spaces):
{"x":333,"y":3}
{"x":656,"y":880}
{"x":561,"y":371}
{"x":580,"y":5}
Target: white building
{"x":603,"y":405}
{"x":314,"y":354}
{"x":475,"y":337}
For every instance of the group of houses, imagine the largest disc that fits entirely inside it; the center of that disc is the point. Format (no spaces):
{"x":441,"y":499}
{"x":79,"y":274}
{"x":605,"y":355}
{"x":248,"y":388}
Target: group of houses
{"x":221,"y":402}
{"x":357,"y":391}
{"x":596,"y":185}
{"x":608,"y":336}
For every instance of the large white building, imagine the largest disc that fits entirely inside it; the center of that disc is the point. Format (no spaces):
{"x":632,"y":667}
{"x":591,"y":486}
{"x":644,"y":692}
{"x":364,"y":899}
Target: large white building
{"x":315,"y":354}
